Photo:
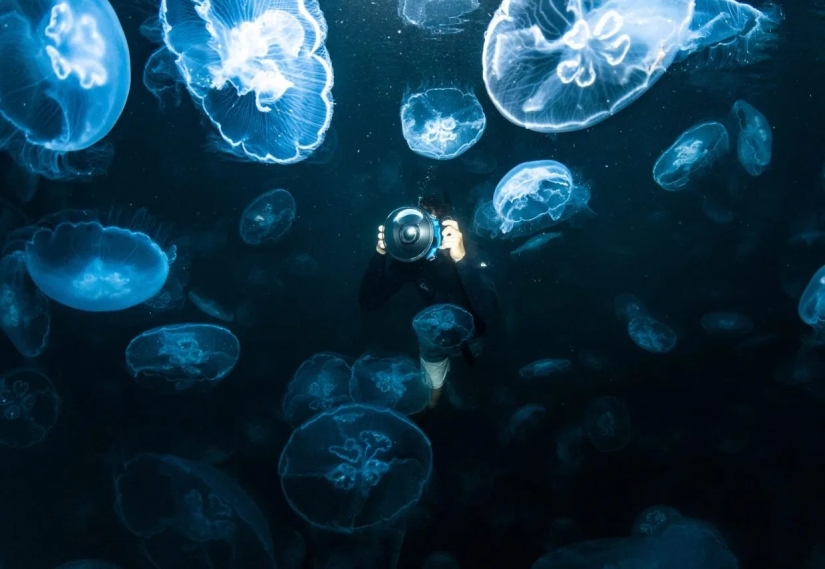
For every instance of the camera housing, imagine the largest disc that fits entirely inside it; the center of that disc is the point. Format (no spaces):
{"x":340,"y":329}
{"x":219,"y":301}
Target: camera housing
{"x":412,"y":234}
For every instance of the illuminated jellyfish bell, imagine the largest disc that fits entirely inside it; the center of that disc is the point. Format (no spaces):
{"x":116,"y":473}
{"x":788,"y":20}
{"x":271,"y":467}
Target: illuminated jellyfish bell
{"x":545,"y":368}
{"x":754,"y":141}
{"x":209,"y":306}
{"x":436,"y":16}
{"x":268,"y":217}
{"x":319,"y":384}
{"x":442,"y":123}
{"x":178,"y":357}
{"x":188,"y":514}
{"x":607,"y":424}
{"x":393,"y":382}
{"x":259,"y":70}
{"x":94,"y":267}
{"x":24,"y":310}
{"x":811,"y":306}
{"x":443,"y":327}
{"x":558,"y":66}
{"x":355,"y":467}
{"x":696,"y":149}
{"x":652,"y":335}
{"x":64,"y":79}
{"x":29,"y":406}
{"x":727,"y":323}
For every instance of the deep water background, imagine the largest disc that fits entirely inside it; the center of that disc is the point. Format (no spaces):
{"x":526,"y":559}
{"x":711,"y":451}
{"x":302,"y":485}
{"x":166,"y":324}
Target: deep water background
{"x":715,"y":435}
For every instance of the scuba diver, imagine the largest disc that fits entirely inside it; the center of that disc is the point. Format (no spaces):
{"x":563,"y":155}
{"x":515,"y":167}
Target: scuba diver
{"x":428,"y":250}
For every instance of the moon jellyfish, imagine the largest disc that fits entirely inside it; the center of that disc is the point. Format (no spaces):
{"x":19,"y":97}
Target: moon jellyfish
{"x":443,"y":327}
{"x":209,"y":306}
{"x":753,"y":143}
{"x":534,"y":245}
{"x":558,"y":66}
{"x":188,"y":514}
{"x":607,"y":424}
{"x":259,"y":70}
{"x":29,"y":406}
{"x":442,"y":123}
{"x":24,"y":310}
{"x":811,"y":306}
{"x":651,"y":335}
{"x":355,"y":467}
{"x":727,"y":323}
{"x":268,"y":217}
{"x":320,"y":383}
{"x":653,"y":520}
{"x":392,"y":382}
{"x":64,"y":80}
{"x":692,"y":154}
{"x":524,"y":422}
{"x":436,"y":16}
{"x":545,"y":368}
{"x":96,"y":268}
{"x":178,"y":357}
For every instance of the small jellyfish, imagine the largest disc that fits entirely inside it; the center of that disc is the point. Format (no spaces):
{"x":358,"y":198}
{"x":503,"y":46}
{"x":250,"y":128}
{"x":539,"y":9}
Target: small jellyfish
{"x":654,"y":520}
{"x":442,"y":123}
{"x":436,"y":16}
{"x":268,"y":217}
{"x":696,"y":149}
{"x":545,"y":368}
{"x":29,"y":406}
{"x":443,"y":327}
{"x":534,"y":245}
{"x":525,"y":421}
{"x":355,"y":467}
{"x":651,"y":335}
{"x":24,"y":310}
{"x":319,"y":384}
{"x":811,"y":306}
{"x":753,"y":143}
{"x":209,"y":306}
{"x":727,"y":323}
{"x":392,"y":382}
{"x":607,"y":424}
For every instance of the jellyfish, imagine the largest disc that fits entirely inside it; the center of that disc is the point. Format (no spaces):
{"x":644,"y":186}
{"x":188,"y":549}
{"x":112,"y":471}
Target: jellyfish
{"x":161,"y":78}
{"x":89,"y":266}
{"x":534,"y":245}
{"x":24,"y":310}
{"x":727,"y":323}
{"x":209,"y":306}
{"x":442,"y":123}
{"x":320,"y":383}
{"x":651,"y":335}
{"x":654,"y":520}
{"x":436,"y":16}
{"x":443,"y":328}
{"x":525,"y":421}
{"x":393,"y":382}
{"x":268,"y":217}
{"x":29,"y":406}
{"x":693,"y":153}
{"x":355,"y":467}
{"x":753,"y":143}
{"x":259,"y":71}
{"x":545,"y":368}
{"x":65,"y":79}
{"x":811,"y":306}
{"x":558,"y":66}
{"x":607,"y":424}
{"x":188,"y":514}
{"x":178,"y":357}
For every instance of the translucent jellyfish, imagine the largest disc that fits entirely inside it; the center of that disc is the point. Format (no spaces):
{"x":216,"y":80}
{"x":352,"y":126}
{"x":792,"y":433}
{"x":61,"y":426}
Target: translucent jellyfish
{"x":320,"y":383}
{"x":652,"y":335}
{"x":607,"y":424}
{"x":653,"y":520}
{"x":525,"y":421}
{"x":65,"y":79}
{"x":180,"y":356}
{"x":392,"y":382}
{"x":96,"y":268}
{"x":268,"y":217}
{"x":535,"y":244}
{"x":161,"y":78}
{"x":24,"y":310}
{"x":209,"y":306}
{"x":557,"y":66}
{"x":754,"y":141}
{"x":443,"y":327}
{"x":545,"y":368}
{"x":188,"y":514}
{"x":88,"y":564}
{"x":436,"y":16}
{"x":811,"y":306}
{"x":442,"y":123}
{"x":259,"y":70}
{"x":693,"y":153}
{"x":355,"y":467}
{"x":727,"y":323}
{"x":29,"y":406}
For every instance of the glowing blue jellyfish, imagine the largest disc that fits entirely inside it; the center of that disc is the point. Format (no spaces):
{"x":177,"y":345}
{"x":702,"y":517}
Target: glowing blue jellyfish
{"x":259,"y":70}
{"x":545,"y":368}
{"x":693,"y":153}
{"x":436,"y":16}
{"x":24,"y":310}
{"x":652,"y":335}
{"x":97,"y":268}
{"x":534,"y":245}
{"x":180,"y":356}
{"x":392,"y":382}
{"x":557,"y":66}
{"x":443,"y":327}
{"x":524,"y":422}
{"x":442,"y":123}
{"x":811,"y":306}
{"x":209,"y":306}
{"x":355,"y":467}
{"x":64,"y":79}
{"x":88,"y":564}
{"x":188,"y":514}
{"x":320,"y":383}
{"x":607,"y":424}
{"x":727,"y":323}
{"x":754,"y":141}
{"x":29,"y":406}
{"x":654,"y":520}
{"x":268,"y":217}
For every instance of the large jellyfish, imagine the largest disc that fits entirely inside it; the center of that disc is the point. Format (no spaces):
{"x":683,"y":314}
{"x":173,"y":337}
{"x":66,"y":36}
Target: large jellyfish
{"x":443,"y":327}
{"x":754,"y":141}
{"x":394,"y":382}
{"x":64,"y":80}
{"x":436,"y":16}
{"x":24,"y":310}
{"x":268,"y":217}
{"x":693,"y":153}
{"x":563,"y":65}
{"x":355,"y":467}
{"x":29,"y":406}
{"x":442,"y":123}
{"x":188,"y":514}
{"x":259,"y":70}
{"x":811,"y":306}
{"x":94,"y":267}
{"x":320,"y":383}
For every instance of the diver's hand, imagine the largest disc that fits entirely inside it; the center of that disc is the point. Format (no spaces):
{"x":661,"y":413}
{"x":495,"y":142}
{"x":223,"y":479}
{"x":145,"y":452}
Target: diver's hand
{"x":452,"y":239}
{"x":381,"y":247}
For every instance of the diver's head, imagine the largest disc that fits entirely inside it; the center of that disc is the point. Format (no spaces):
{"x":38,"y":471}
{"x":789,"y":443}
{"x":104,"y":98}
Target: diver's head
{"x":434,"y":206}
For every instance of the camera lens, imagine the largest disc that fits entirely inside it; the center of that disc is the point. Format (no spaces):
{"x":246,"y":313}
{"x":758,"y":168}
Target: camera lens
{"x":408,"y":234}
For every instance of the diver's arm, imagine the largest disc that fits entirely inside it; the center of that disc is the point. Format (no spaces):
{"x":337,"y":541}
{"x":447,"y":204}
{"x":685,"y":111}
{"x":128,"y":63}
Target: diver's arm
{"x":380,"y":283}
{"x":478,"y":285}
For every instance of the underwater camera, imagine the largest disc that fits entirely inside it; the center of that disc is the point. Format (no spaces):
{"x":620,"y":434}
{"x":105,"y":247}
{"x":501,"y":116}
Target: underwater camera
{"x":411,"y":233}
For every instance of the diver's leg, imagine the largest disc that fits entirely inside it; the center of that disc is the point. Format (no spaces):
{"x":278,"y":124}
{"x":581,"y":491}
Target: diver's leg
{"x":434,"y":367}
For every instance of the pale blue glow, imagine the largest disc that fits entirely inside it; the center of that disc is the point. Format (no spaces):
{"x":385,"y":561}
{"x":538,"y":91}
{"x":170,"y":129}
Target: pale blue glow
{"x":755,"y":139}
{"x":442,"y":123}
{"x":24,"y":310}
{"x":319,"y":384}
{"x":394,"y":382}
{"x":268,"y":217}
{"x":436,"y":16}
{"x":693,"y":153}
